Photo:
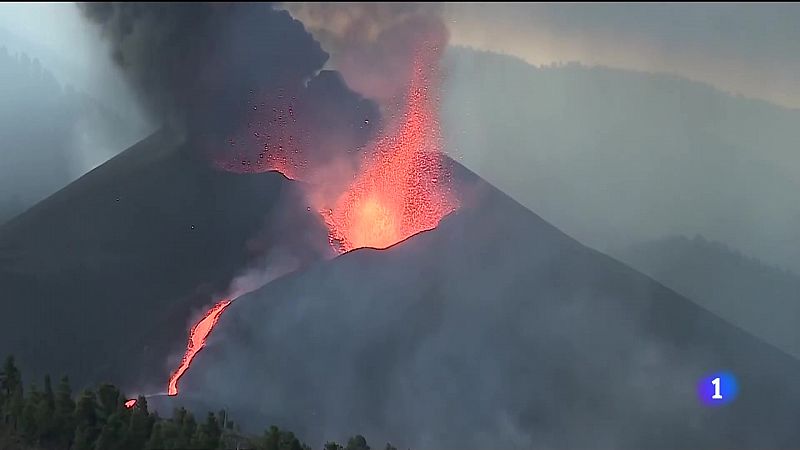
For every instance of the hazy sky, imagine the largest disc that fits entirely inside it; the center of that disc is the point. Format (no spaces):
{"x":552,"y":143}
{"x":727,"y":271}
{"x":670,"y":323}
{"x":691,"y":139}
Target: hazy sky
{"x":57,"y":35}
{"x":752,"y":49}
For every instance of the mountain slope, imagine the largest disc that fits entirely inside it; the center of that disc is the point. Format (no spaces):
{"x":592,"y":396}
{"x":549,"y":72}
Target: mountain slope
{"x":49,"y":134}
{"x":120,"y":260}
{"x":615,"y":157}
{"x":763,"y":299}
{"x":495,"y":330}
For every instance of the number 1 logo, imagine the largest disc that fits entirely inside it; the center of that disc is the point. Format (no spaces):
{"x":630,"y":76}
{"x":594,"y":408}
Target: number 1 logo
{"x":716,"y":383}
{"x":716,"y":389}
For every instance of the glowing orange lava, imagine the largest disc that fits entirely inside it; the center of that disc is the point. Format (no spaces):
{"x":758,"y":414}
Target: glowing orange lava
{"x":403,"y":187}
{"x":197,"y":340}
{"x":130,"y":403}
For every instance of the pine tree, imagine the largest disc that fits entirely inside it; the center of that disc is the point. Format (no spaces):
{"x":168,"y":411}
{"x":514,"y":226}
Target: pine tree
{"x":83,"y":439}
{"x":64,"y":419}
{"x":208,"y":434}
{"x":10,"y":377}
{"x":156,"y":441}
{"x":15,"y":407}
{"x":29,"y":428}
{"x":186,"y":427}
{"x":45,"y":413}
{"x":141,"y":424}
{"x":109,"y":400}
{"x":86,"y":421}
{"x":112,"y":435}
{"x":357,"y":442}
{"x":277,"y":439}
{"x":11,"y":389}
{"x":170,"y":434}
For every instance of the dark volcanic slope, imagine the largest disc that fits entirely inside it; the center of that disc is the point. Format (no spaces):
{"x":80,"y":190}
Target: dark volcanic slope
{"x":122,"y":257}
{"x":495,"y":330}
{"x":762,"y":299}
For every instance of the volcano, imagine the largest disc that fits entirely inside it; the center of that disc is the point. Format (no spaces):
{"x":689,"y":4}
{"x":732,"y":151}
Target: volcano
{"x":102,"y":280}
{"x":493,"y":329}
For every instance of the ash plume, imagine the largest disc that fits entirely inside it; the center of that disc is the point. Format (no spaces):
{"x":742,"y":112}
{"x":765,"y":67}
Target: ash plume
{"x":373,"y":45}
{"x":203,"y":68}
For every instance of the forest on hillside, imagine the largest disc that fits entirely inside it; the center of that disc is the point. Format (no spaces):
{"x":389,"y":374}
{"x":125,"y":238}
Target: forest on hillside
{"x":53,"y":418}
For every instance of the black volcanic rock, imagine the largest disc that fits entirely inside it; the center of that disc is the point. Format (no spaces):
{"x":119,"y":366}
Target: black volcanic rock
{"x":495,"y":330}
{"x":100,"y":280}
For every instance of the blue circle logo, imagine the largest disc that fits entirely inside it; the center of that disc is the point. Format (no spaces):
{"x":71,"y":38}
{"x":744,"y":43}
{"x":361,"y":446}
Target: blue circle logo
{"x":719,"y":388}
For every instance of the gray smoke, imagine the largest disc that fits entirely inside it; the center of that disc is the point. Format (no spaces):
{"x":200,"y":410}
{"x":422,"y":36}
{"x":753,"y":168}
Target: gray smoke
{"x":204,"y":68}
{"x":373,"y":45}
{"x":194,"y":63}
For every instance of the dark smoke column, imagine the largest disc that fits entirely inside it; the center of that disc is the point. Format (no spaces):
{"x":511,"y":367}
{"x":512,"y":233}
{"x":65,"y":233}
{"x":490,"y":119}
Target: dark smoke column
{"x":203,"y":68}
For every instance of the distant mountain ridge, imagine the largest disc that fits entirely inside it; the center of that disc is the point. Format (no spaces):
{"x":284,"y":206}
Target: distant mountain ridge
{"x":761,"y":298}
{"x":615,"y":157}
{"x":49,"y":134}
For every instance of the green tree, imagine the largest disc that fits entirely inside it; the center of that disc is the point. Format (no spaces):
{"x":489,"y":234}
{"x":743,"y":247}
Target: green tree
{"x":83,"y":439}
{"x":86,"y":426}
{"x":276,"y":439}
{"x":357,"y":442}
{"x":15,"y":407}
{"x":12,"y":394}
{"x":157,"y":441}
{"x":186,"y":427}
{"x":113,"y":433}
{"x":170,"y":434}
{"x":109,"y":400}
{"x":141,"y":424}
{"x":64,"y":419}
{"x":332,"y":446}
{"x":10,"y":377}
{"x":208,"y":434}
{"x":45,"y":413}
{"x":29,"y":428}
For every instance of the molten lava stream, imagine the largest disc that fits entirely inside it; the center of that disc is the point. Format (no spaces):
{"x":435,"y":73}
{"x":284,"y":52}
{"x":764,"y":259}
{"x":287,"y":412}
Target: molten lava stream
{"x":197,"y":340}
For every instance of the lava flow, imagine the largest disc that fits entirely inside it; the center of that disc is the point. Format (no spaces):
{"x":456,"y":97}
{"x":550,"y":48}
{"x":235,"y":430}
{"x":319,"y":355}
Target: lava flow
{"x":197,"y":340}
{"x":403,"y":187}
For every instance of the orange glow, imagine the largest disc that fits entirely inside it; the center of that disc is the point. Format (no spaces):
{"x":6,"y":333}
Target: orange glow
{"x":403,"y":187}
{"x":130,"y":403}
{"x":197,"y":340}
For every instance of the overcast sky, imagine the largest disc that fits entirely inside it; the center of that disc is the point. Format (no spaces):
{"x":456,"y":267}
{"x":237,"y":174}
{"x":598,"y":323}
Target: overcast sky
{"x":751,"y":49}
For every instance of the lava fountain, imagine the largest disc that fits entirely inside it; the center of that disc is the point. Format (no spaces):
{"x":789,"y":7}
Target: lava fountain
{"x":197,"y":340}
{"x":403,"y":187}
